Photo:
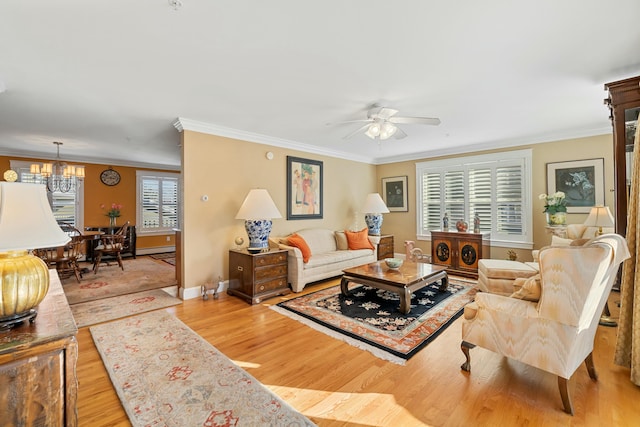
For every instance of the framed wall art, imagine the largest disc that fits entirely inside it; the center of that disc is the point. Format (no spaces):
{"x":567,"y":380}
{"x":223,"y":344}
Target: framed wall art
{"x":304,"y":188}
{"x":394,"y":193}
{"x":582,"y":182}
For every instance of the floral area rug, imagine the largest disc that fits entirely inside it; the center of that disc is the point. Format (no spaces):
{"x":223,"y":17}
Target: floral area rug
{"x":167,"y":375}
{"x":139,"y":274}
{"x":369,"y":319}
{"x":106,"y":309}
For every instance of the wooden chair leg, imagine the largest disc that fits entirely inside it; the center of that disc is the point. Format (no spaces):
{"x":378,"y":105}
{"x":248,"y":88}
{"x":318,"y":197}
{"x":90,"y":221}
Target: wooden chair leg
{"x":96,"y":265}
{"x":563,"y":385}
{"x":465,"y":347}
{"x":120,"y":261}
{"x":591,"y":367}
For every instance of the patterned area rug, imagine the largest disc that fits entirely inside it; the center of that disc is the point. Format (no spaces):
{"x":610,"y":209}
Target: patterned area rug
{"x":104,"y":310}
{"x":370,"y":320}
{"x":167,"y":375}
{"x":139,"y":274}
{"x":169,"y":257}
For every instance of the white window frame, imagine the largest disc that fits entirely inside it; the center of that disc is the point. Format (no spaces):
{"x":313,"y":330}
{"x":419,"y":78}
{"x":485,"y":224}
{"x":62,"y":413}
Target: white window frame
{"x":140,"y":176}
{"x":20,"y":165}
{"x":494,"y":160}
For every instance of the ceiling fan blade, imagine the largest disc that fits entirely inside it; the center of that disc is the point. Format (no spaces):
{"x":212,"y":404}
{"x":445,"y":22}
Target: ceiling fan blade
{"x":399,"y":133}
{"x":355,"y":132}
{"x":349,"y":121}
{"x":416,"y":120}
{"x":386,"y":113}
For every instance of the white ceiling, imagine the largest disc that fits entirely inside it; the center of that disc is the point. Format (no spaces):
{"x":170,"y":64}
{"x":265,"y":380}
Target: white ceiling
{"x":110,"y":78}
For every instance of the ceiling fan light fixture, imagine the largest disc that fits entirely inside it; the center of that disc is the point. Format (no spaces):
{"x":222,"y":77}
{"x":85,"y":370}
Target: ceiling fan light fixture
{"x":388,"y":130}
{"x":373,"y":131}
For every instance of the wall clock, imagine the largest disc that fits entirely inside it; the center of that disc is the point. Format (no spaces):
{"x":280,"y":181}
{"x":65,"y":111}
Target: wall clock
{"x":10,"y":175}
{"x":110,"y":177}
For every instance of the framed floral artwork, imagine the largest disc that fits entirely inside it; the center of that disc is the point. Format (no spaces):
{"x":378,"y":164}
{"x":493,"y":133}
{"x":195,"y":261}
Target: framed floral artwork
{"x":304,"y":188}
{"x":582,"y":182}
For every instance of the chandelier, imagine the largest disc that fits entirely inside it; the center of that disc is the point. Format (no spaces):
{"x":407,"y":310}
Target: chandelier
{"x":58,"y":176}
{"x":382,"y":129}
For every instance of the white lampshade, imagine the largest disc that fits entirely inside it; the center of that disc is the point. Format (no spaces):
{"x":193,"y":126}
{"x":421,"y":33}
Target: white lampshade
{"x":26,"y":219}
{"x":374,"y":204}
{"x":600,"y":216}
{"x":258,"y":205}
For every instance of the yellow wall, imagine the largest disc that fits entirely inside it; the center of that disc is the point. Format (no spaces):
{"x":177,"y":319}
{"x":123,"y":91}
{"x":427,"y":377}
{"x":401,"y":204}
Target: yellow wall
{"x":403,"y":224}
{"x":225,"y":170}
{"x":96,"y":193}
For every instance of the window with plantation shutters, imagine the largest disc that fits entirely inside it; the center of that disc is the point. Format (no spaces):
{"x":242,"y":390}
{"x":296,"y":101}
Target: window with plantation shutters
{"x":496,"y":188}
{"x":157,"y":202}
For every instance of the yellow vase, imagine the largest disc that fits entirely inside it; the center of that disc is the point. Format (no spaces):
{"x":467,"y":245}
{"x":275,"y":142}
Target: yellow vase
{"x":558,"y":218}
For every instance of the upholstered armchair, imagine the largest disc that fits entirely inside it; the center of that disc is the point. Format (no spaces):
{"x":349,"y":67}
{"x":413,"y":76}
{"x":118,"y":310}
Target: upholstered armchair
{"x":552,"y":329}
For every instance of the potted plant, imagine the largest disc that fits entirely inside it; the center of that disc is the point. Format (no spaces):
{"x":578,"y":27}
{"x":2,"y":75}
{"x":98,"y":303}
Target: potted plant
{"x":555,"y":207}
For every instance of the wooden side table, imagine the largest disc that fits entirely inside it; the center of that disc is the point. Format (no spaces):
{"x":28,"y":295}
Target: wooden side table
{"x":256,"y":277}
{"x":385,"y":247}
{"x":38,"y":382}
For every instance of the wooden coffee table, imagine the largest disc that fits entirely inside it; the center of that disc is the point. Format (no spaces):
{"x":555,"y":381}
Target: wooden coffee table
{"x":410,"y":277}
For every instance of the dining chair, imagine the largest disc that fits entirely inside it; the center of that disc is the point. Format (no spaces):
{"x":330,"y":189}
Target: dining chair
{"x":111,"y":245}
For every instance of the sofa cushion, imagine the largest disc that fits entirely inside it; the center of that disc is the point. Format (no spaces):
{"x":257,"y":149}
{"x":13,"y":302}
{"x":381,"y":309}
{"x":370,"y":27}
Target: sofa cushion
{"x":559,"y":241}
{"x":341,"y":241}
{"x":297,"y":241}
{"x":358,"y":239}
{"x":319,"y":240}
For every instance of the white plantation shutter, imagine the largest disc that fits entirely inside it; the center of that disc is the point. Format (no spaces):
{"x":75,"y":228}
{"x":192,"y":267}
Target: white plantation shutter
{"x":157,"y":202}
{"x":494,"y":187}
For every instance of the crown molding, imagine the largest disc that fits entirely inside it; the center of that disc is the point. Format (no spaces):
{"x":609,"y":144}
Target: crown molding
{"x":182,"y":124}
{"x":92,"y":160}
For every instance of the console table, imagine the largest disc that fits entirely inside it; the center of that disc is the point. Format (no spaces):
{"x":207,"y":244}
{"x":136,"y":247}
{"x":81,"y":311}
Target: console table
{"x":38,"y":382}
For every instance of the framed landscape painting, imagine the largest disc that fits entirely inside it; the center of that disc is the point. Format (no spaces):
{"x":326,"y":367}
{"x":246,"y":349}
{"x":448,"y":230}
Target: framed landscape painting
{"x":394,"y":193}
{"x":582,"y":182}
{"x":304,"y":188}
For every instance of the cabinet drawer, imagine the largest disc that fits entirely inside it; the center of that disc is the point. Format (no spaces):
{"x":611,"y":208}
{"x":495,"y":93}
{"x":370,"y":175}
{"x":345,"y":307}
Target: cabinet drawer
{"x":270,"y":285}
{"x":270,"y":259}
{"x":271,"y":271}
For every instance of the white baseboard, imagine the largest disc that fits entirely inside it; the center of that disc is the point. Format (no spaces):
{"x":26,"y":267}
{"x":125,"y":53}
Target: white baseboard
{"x":196,"y":291}
{"x":155,"y":250}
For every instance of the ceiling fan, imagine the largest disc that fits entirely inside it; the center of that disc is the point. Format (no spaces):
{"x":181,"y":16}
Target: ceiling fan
{"x":381,"y":122}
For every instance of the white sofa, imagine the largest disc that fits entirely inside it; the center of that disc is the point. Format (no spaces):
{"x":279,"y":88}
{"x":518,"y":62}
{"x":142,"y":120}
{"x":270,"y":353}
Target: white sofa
{"x":329,"y":256}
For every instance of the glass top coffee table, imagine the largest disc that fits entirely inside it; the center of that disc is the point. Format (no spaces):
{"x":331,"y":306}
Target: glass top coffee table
{"x":410,"y":277}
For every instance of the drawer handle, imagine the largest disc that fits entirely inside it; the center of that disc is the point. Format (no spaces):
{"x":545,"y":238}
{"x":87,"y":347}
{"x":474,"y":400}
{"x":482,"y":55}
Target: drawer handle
{"x":262,"y":287}
{"x":240,"y":268}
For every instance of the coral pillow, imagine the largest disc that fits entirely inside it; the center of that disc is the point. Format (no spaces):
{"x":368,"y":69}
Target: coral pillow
{"x":297,"y":241}
{"x":358,"y":239}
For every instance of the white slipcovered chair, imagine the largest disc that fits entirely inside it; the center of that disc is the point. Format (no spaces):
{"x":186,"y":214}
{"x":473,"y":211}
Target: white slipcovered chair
{"x":555,"y":333}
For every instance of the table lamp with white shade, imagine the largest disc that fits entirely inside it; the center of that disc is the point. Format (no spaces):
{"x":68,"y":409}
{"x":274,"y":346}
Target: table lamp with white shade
{"x":373,"y":209}
{"x":26,"y":222}
{"x":600,"y":216}
{"x":257,"y":210}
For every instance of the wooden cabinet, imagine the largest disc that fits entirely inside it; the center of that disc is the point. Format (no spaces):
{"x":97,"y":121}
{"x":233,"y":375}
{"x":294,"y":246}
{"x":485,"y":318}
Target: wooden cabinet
{"x":460,"y":252}
{"x":38,"y":382}
{"x":256,"y":277}
{"x":624,"y":106}
{"x":385,"y":247}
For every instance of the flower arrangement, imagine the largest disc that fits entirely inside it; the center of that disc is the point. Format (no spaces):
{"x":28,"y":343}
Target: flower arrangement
{"x":114,"y":212}
{"x":554,"y":203}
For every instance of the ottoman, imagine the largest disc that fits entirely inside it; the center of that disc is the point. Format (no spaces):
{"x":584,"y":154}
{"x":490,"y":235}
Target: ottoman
{"x":496,"y":275}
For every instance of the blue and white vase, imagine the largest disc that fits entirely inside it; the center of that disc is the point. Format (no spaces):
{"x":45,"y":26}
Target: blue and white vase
{"x":258,"y":231}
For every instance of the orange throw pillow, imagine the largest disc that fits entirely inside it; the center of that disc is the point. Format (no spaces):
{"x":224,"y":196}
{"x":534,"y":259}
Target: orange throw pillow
{"x":358,"y":239}
{"x":297,"y":241}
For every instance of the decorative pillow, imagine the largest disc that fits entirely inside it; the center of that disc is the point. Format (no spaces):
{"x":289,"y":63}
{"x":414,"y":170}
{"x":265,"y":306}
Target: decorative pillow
{"x":297,"y":241}
{"x":579,"y":242}
{"x":341,"y":241}
{"x":559,"y":241}
{"x":358,"y":239}
{"x":530,"y":290}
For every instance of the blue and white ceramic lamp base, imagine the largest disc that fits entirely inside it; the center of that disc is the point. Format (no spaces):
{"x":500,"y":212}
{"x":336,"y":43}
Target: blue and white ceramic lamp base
{"x":258,"y":231}
{"x":374,"y":223}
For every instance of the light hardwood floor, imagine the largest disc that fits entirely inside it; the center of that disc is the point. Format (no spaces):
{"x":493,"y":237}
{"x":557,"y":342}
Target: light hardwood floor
{"x":335,"y":384}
